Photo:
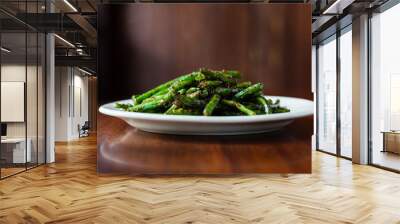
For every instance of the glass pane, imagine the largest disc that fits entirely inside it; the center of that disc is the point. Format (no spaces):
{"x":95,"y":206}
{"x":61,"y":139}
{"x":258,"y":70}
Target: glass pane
{"x":41,"y":98}
{"x":32,"y":98}
{"x":32,"y":86}
{"x":327,"y":96}
{"x":14,"y":153}
{"x":385,"y":84}
{"x":346,"y":94}
{"x":23,"y":90}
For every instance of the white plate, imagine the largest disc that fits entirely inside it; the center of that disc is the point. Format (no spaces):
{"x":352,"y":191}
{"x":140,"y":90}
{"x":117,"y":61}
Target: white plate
{"x":218,"y":125}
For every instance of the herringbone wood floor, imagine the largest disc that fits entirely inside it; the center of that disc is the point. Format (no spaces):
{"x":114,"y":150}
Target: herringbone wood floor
{"x":70,"y":191}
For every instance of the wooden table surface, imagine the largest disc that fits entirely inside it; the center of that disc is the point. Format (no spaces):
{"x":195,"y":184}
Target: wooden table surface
{"x":123,"y":149}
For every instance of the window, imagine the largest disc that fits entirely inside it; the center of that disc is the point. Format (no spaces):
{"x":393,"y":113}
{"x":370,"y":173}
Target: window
{"x":326,"y":91}
{"x":22,"y":101}
{"x":385,"y":89}
{"x":334,"y":94}
{"x":346,"y":92}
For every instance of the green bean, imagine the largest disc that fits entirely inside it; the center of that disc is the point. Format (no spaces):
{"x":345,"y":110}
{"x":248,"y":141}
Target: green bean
{"x":262,"y":101}
{"x":279,"y":110}
{"x":243,"y":85}
{"x":182,"y":111}
{"x":218,"y":75}
{"x":138,"y":99}
{"x":161,"y":92}
{"x":276,"y":107}
{"x":209,"y":108}
{"x":187,"y":80}
{"x":181,"y":91}
{"x":207,"y":92}
{"x":204,"y":93}
{"x":210,"y":84}
{"x":154,"y":97}
{"x":193,"y":102}
{"x":224,"y":91}
{"x":194,"y":94}
{"x":239,"y":106}
{"x":251,"y":90}
{"x":171,"y":109}
{"x":232,"y":74}
{"x":154,"y":104}
{"x":123,"y":106}
{"x":192,"y":90}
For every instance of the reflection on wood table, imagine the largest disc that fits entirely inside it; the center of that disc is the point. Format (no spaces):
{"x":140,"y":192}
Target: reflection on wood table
{"x":123,"y":149}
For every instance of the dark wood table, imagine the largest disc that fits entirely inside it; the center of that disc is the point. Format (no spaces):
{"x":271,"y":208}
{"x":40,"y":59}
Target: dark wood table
{"x":123,"y":149}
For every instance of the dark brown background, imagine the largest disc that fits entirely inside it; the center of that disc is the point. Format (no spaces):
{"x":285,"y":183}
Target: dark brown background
{"x":142,"y":45}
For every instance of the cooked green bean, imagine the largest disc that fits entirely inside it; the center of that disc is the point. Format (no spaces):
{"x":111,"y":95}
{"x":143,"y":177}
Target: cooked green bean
{"x":262,"y":101}
{"x":243,"y":85}
{"x":251,"y":90}
{"x":171,"y":109}
{"x":210,"y":84}
{"x":138,"y":99}
{"x":239,"y":106}
{"x":209,"y":108}
{"x":205,"y":92}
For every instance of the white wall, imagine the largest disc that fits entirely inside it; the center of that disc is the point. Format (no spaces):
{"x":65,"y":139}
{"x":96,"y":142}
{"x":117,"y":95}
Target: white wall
{"x":62,"y":81}
{"x":80,"y":112}
{"x":71,"y":103}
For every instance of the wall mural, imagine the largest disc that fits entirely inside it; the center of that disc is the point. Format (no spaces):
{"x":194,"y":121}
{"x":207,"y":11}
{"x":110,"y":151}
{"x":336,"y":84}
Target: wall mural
{"x":151,"y":44}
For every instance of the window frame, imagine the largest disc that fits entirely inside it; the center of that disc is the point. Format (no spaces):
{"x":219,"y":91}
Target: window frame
{"x":334,"y":37}
{"x":381,"y":9}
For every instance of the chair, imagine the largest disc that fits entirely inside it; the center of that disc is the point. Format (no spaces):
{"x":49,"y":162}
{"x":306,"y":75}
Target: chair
{"x":84,"y":130}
